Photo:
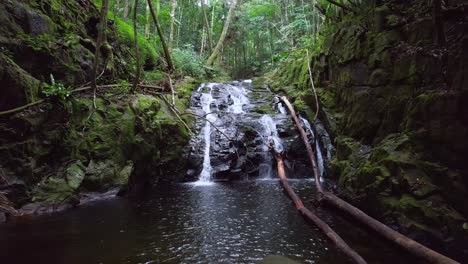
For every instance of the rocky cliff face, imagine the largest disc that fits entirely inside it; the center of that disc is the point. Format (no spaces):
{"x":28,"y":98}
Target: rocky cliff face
{"x":51,"y":152}
{"x":393,"y":96}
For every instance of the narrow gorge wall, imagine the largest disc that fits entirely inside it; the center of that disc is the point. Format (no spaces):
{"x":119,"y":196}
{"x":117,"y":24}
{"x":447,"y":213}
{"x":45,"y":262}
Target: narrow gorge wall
{"x":395,"y":99}
{"x":51,"y":152}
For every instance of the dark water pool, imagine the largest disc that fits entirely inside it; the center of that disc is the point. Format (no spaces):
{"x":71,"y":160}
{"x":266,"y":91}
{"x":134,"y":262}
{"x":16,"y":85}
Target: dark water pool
{"x":239,"y":222}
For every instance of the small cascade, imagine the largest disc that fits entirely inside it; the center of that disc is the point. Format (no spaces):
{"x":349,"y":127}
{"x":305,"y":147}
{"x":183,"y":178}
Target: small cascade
{"x":270,"y":136}
{"x":270,"y":133}
{"x":236,"y":99}
{"x":220,"y":104}
{"x":206,"y":100}
{"x":318,"y":150}
{"x":281,"y":108}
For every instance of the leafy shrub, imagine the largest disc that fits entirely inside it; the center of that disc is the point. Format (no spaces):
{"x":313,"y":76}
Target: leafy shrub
{"x":55,"y":89}
{"x":188,"y":62}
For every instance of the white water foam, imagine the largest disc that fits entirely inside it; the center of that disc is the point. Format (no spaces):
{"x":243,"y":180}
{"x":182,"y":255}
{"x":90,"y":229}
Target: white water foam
{"x":318,"y":151}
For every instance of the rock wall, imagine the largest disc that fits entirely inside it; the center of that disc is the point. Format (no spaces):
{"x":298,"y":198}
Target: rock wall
{"x":393,"y":98}
{"x":51,"y":152}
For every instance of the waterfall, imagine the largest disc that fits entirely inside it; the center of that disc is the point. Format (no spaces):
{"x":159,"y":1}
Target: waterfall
{"x":281,"y":108}
{"x":236,"y":98}
{"x":270,"y":133}
{"x":231,"y":97}
{"x":318,"y":150}
{"x":206,"y":100}
{"x":270,"y":136}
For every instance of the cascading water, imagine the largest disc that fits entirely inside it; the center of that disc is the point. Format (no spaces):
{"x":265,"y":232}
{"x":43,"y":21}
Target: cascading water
{"x":206,"y":100}
{"x":228,"y":98}
{"x":269,"y":133}
{"x":281,"y":108}
{"x":318,"y":150}
{"x":236,"y":99}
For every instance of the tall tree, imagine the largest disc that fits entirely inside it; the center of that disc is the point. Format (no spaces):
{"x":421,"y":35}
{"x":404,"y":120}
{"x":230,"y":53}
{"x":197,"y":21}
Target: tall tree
{"x":147,"y":22}
{"x":171,"y":32}
{"x":125,"y":11}
{"x":207,"y":26}
{"x":218,"y":47}
{"x":167,"y":54}
{"x":137,"y":51}
{"x":100,"y":39}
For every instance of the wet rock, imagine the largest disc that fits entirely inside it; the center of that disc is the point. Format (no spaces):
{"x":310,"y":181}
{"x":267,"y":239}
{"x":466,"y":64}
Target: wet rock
{"x":3,"y":217}
{"x":40,"y":208}
{"x":75,"y":174}
{"x":277,"y":260}
{"x":38,"y":23}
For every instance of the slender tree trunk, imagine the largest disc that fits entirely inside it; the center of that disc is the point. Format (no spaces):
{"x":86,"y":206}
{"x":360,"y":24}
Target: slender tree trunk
{"x":100,"y":39}
{"x":147,"y":22}
{"x":202,"y":46}
{"x":212,"y":20}
{"x":171,"y":32}
{"x":439,"y":34}
{"x":178,"y":28}
{"x":218,"y":47}
{"x":137,"y":51}
{"x":167,"y":54}
{"x":125,"y":11}
{"x":207,"y":26}
{"x":116,"y":7}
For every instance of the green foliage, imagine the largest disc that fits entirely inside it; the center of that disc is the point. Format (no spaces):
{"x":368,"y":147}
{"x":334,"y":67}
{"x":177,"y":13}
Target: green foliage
{"x":55,"y":89}
{"x":53,"y":191}
{"x":42,"y":42}
{"x":188,"y":62}
{"x":147,"y":50}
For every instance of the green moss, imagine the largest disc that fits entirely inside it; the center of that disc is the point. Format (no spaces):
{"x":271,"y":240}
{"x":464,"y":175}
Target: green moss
{"x":75,"y":174}
{"x":53,"y":191}
{"x":264,"y":109}
{"x":147,"y":51}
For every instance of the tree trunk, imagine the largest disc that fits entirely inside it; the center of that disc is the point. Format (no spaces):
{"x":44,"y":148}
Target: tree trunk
{"x":171,"y":32}
{"x":207,"y":26}
{"x":303,"y":134}
{"x":218,"y":47}
{"x":147,"y":22}
{"x":404,"y":242}
{"x":137,"y":51}
{"x":332,"y":235}
{"x":116,"y":7}
{"x":202,"y":46}
{"x":439,"y":34}
{"x":167,"y":54}
{"x":125,"y":11}
{"x":100,"y":39}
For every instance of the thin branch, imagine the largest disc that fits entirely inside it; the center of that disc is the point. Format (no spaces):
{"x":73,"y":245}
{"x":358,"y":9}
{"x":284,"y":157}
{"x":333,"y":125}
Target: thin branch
{"x":313,"y":86}
{"x":176,"y":113}
{"x":172,"y":88}
{"x":340,"y":5}
{"x":211,"y":123}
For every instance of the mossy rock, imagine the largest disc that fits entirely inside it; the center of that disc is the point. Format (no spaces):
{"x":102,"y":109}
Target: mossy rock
{"x":75,"y":174}
{"x":54,"y":191}
{"x":105,"y":174}
{"x":264,"y":109}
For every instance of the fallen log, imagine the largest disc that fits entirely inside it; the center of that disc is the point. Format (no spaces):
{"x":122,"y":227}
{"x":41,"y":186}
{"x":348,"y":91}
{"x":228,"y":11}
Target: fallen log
{"x":332,"y":235}
{"x":404,"y":242}
{"x":310,"y":152}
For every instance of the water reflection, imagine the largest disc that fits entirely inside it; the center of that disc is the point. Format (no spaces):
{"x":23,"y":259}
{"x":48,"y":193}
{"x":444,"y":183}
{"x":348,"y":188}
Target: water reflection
{"x":238,"y":222}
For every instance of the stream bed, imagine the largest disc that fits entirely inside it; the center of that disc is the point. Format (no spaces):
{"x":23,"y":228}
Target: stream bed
{"x":238,"y":222}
